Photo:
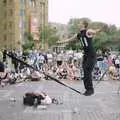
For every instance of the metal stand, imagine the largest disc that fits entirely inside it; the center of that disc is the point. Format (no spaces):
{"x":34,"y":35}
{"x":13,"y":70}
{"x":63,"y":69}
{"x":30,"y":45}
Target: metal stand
{"x":118,"y":91}
{"x":100,"y":79}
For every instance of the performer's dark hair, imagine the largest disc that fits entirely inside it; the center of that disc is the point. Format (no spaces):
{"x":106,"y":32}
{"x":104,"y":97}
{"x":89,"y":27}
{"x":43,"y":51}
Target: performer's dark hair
{"x":85,"y":23}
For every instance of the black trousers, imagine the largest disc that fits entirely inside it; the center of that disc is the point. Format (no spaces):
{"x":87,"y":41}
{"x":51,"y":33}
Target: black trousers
{"x":2,"y":67}
{"x":89,"y":62}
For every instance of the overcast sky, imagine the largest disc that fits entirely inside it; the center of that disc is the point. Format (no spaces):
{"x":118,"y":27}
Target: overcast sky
{"x":97,"y":10}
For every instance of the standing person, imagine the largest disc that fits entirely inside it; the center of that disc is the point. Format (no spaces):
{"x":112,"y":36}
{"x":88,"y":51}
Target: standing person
{"x":14,"y":62}
{"x":4,"y":55}
{"x":41,"y":60}
{"x":1,"y":56}
{"x":50,"y":59}
{"x":117,"y":65}
{"x":89,"y":58}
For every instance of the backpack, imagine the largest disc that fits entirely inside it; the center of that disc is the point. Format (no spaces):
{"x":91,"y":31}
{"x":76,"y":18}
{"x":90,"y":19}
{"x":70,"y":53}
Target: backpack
{"x":2,"y":67}
{"x":31,"y":99}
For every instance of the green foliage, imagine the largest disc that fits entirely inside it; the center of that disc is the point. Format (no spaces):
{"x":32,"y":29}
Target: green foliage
{"x":73,"y":46}
{"x":25,"y":53}
{"x":48,"y":34}
{"x":29,"y":43}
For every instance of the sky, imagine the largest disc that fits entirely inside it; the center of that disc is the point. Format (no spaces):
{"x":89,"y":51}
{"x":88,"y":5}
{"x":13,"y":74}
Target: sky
{"x":107,"y":11}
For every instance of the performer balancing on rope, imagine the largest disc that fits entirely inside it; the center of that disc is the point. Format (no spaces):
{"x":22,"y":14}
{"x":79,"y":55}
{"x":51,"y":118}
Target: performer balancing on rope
{"x":89,"y":58}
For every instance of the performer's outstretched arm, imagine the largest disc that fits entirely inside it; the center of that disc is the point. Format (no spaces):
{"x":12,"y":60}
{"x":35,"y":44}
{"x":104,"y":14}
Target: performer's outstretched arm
{"x":69,"y":39}
{"x":92,"y":32}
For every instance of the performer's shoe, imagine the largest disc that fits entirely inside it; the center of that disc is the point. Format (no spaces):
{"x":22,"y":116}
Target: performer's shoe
{"x":88,"y":92}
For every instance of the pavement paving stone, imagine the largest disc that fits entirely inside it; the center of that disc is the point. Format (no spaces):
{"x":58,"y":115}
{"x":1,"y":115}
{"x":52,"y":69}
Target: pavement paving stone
{"x":104,"y":105}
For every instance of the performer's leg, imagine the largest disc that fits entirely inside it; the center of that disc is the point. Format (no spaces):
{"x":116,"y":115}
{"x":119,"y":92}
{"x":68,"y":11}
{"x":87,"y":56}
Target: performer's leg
{"x":84,"y":70}
{"x":88,"y":78}
{"x":88,"y":68}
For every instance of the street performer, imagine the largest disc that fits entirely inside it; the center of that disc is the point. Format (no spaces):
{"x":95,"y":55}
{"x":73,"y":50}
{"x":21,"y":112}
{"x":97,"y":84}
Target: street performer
{"x":85,"y":37}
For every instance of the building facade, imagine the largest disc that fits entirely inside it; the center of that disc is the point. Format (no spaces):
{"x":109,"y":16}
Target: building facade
{"x":10,"y":22}
{"x":38,"y":19}
{"x":15,"y":20}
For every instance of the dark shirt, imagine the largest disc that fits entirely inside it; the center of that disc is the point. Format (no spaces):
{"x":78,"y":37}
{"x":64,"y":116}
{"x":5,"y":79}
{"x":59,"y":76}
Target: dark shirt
{"x":86,"y":43}
{"x":4,"y":55}
{"x":2,"y":68}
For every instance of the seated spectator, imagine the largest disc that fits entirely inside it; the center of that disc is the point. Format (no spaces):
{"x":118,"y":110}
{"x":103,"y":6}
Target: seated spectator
{"x":2,"y":67}
{"x":113,"y":73}
{"x":96,"y":73}
{"x":3,"y":73}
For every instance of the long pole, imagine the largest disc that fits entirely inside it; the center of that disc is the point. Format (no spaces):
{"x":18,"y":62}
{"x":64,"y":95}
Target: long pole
{"x":49,"y":76}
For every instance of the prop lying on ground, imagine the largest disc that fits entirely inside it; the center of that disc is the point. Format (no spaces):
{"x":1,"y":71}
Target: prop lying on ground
{"x":36,"y":98}
{"x":101,"y":78}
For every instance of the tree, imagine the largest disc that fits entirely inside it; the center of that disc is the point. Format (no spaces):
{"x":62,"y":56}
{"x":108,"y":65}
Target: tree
{"x":73,"y":45}
{"x":48,"y":34}
{"x":29,"y":42}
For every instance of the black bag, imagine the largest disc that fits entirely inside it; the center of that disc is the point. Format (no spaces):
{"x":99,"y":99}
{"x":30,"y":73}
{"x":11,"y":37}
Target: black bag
{"x":31,"y":99}
{"x":2,"y":67}
{"x":12,"y":80}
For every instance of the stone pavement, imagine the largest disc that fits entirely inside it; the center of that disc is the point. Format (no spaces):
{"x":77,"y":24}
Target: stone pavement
{"x":103,"y":105}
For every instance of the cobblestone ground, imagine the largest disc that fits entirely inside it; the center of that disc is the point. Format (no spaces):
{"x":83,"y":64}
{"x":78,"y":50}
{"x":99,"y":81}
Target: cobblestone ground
{"x":103,"y":105}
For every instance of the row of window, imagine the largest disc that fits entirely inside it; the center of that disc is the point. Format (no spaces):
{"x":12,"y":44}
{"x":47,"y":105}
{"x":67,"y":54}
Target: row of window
{"x":5,"y":2}
{"x":10,"y":13}
{"x":22,"y":12}
{"x":22,"y":2}
{"x":5,"y":37}
{"x":33,"y":3}
{"x":10,"y":24}
{"x":10,"y":1}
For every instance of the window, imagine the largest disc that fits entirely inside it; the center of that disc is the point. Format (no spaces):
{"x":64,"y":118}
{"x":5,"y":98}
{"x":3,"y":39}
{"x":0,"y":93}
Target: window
{"x":5,"y":26}
{"x":5,"y":14}
{"x":4,"y":2}
{"x":32,"y":3}
{"x":10,"y":1}
{"x":22,"y":1}
{"x":5,"y":37}
{"x":10,"y":24}
{"x":10,"y":36}
{"x":11,"y":12}
{"x":22,"y":12}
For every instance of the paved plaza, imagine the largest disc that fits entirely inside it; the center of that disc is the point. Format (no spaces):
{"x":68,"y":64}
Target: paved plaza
{"x":103,"y":105}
